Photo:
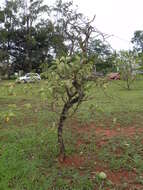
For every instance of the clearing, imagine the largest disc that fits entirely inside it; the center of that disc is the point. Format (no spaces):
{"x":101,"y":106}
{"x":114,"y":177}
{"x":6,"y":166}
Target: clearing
{"x":107,"y":137}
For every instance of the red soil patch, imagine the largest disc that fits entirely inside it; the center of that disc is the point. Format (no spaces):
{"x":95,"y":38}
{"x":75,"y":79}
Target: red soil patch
{"x":80,"y":142}
{"x":102,"y":142}
{"x":103,"y":133}
{"x":116,"y":177}
{"x":130,"y":131}
{"x":108,"y":133}
{"x":73,"y":161}
{"x":119,"y":177}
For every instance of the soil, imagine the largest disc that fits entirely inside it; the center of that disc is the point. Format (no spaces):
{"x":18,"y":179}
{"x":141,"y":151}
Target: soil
{"x":110,"y":132}
{"x":72,"y":161}
{"x":78,"y":161}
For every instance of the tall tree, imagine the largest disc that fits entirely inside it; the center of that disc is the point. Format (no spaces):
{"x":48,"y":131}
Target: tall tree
{"x":137,"y":41}
{"x":7,"y":25}
{"x":101,"y":53}
{"x":25,"y":34}
{"x":126,"y":63}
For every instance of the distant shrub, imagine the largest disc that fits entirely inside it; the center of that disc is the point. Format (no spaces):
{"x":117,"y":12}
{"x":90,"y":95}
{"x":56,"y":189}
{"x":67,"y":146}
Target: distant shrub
{"x":44,"y":75}
{"x":13,"y":77}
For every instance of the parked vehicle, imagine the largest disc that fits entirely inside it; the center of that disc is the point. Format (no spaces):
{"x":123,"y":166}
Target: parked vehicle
{"x":98,"y":74}
{"x":29,"y":77}
{"x":114,"y":76}
{"x":139,"y":72}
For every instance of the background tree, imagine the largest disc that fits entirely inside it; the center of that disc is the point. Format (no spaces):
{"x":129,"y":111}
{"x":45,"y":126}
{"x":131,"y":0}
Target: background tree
{"x":126,"y":63}
{"x":31,"y":35}
{"x":102,"y":54}
{"x":29,"y":39}
{"x":26,"y":37}
{"x":137,"y":41}
{"x":7,"y":25}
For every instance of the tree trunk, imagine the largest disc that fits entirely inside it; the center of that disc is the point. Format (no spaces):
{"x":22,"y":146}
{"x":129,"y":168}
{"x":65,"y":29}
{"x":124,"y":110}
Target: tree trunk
{"x":60,"y":131}
{"x":63,"y":117}
{"x":128,"y":84}
{"x":60,"y":140}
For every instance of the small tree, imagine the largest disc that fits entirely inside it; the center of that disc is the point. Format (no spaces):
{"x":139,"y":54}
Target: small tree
{"x":126,"y":64}
{"x":70,"y":76}
{"x":69,"y":82}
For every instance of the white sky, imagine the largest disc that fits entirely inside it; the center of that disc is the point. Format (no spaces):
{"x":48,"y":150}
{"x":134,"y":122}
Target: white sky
{"x":118,"y":17}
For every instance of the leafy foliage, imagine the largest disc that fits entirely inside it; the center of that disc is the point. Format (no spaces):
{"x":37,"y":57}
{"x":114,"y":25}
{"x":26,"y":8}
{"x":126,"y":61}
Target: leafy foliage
{"x":137,"y":41}
{"x":68,"y":78}
{"x":126,"y":63}
{"x":29,"y":39}
{"x":101,"y":53}
{"x":68,"y":87}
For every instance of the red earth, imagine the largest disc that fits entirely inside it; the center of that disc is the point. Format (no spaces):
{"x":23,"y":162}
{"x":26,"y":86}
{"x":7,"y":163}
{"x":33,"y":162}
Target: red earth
{"x":73,"y":161}
{"x":110,"y":132}
{"x":78,"y":160}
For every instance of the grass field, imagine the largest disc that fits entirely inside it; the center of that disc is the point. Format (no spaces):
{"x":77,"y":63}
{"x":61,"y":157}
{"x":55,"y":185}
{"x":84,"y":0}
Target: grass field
{"x":106,"y":137}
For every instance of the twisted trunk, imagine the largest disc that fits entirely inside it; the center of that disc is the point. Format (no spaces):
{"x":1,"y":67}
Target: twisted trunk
{"x":60,"y":131}
{"x":63,"y":117}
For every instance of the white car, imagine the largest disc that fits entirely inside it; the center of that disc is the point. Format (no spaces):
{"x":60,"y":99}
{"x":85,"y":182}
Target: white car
{"x":29,"y":77}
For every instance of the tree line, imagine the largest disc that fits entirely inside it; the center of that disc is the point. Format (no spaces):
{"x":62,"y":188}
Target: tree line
{"x":32,"y":34}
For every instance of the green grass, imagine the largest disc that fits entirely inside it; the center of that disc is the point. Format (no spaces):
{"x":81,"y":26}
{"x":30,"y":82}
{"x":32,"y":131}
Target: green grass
{"x":115,"y":102}
{"x":28,"y":139}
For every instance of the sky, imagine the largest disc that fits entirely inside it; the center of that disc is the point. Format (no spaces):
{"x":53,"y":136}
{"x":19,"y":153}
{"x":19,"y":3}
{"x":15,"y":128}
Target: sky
{"x":119,"y":18}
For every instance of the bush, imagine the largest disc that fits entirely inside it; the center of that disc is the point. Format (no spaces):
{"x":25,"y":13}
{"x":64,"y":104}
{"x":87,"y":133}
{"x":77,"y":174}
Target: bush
{"x":44,"y":75}
{"x":4,"y":77}
{"x":13,"y":77}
